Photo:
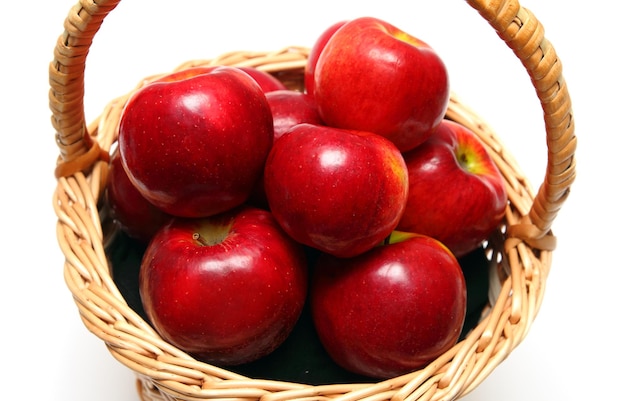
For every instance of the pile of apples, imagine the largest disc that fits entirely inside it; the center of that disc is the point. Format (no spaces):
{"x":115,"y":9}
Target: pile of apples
{"x":354,"y":196}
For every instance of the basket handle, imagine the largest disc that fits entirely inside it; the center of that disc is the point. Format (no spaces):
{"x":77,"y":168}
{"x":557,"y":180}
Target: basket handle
{"x":524,"y":34}
{"x":515,"y":25}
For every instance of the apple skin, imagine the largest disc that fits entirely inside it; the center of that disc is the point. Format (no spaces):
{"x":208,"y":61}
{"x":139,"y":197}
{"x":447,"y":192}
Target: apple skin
{"x":338,"y":191}
{"x":197,"y":146}
{"x":184,"y":74}
{"x":132,"y":212}
{"x":456,"y":192}
{"x":231,"y":298}
{"x":391,"y":310}
{"x":290,"y":107}
{"x":372,"y":76}
{"x":266,"y":81}
{"x":314,"y":54}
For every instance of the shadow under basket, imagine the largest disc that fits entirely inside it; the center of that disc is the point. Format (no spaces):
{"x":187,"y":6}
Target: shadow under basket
{"x":518,"y":256}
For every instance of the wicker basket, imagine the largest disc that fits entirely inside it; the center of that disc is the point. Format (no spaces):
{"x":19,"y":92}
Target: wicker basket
{"x":520,"y":256}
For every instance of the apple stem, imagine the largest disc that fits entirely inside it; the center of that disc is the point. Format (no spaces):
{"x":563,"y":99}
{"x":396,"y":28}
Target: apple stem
{"x":198,"y":237}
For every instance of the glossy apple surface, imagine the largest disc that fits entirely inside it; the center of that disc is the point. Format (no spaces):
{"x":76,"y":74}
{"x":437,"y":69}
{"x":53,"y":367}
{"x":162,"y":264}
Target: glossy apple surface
{"x":266,"y":81}
{"x":197,"y":146}
{"x":289,"y":108}
{"x":456,"y":192}
{"x":227,"y":289}
{"x":185,"y":73}
{"x":391,"y":310}
{"x":129,"y":209}
{"x":338,"y":191}
{"x":314,"y":54}
{"x":372,"y":76}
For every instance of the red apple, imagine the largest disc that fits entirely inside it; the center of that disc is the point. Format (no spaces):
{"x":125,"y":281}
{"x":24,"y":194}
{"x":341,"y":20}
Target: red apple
{"x":290,"y":107}
{"x":266,"y":81}
{"x":339,"y":191}
{"x":314,"y":54}
{"x":197,"y":146}
{"x":456,"y":192}
{"x":133,"y":213}
{"x":227,"y":289}
{"x":372,"y":76}
{"x":391,"y":310}
{"x":185,"y":73}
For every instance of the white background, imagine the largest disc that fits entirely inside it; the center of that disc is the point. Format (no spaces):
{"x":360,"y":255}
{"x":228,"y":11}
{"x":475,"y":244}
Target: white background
{"x":575,"y":347}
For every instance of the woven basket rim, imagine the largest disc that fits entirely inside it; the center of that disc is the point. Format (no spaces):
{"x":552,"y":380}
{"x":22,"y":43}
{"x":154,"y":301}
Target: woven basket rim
{"x":521,"y":254}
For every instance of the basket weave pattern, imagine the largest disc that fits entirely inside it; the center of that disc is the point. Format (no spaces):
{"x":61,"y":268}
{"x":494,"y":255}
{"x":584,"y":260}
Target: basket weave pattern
{"x":520,"y":255}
